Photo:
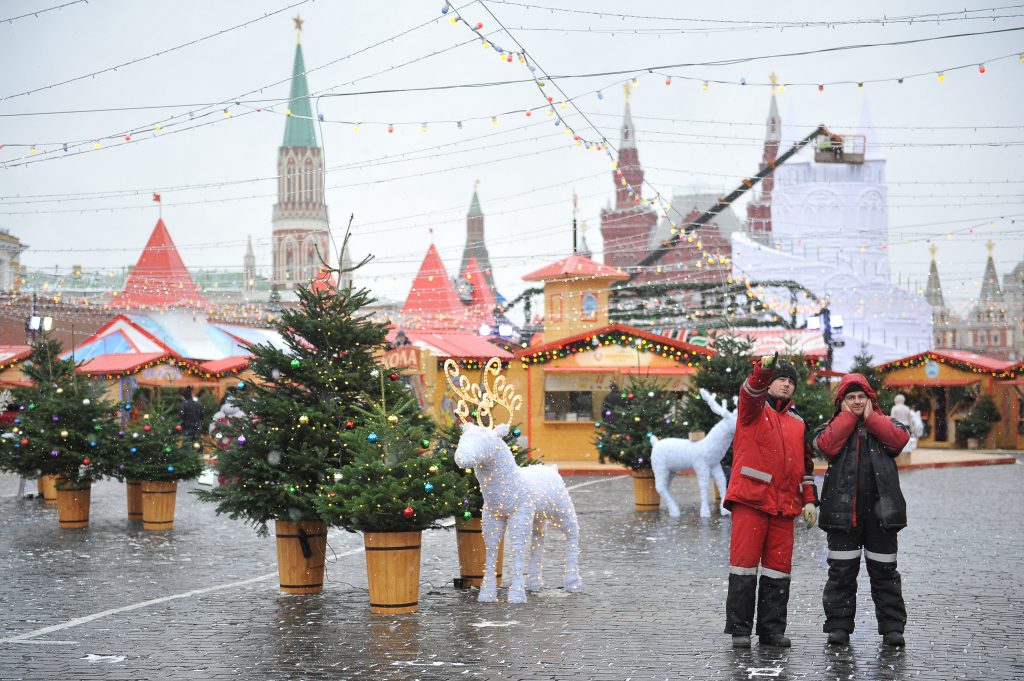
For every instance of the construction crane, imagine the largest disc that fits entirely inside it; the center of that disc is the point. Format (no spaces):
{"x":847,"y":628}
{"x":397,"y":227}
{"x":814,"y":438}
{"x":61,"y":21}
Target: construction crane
{"x":832,"y":149}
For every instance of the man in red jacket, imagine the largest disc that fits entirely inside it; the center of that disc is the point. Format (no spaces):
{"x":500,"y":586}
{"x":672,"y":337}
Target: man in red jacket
{"x":772,"y":481}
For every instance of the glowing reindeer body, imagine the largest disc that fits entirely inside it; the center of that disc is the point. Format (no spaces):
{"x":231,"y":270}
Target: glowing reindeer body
{"x":522,"y":501}
{"x":671,"y":455}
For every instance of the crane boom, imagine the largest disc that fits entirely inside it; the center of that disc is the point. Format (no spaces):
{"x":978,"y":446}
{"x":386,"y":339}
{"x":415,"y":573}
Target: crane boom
{"x":666,"y":246}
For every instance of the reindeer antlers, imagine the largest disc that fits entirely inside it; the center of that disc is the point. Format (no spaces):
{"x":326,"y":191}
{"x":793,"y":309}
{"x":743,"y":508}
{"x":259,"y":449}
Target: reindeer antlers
{"x":722,"y":409}
{"x":500,"y":393}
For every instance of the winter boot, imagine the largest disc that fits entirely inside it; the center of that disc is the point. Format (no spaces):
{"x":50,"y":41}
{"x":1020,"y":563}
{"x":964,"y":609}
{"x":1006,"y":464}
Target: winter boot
{"x":894,"y":639}
{"x":772,"y":602}
{"x":739,"y":605}
{"x":839,"y":637}
{"x":740,"y":641}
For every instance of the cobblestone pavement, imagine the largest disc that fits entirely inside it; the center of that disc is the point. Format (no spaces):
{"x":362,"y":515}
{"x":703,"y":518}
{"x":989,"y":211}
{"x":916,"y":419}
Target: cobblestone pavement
{"x":653,"y":607}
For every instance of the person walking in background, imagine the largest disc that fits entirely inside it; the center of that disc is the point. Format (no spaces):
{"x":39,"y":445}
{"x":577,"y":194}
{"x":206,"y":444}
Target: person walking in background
{"x":772,"y":482}
{"x":862,"y":509}
{"x":191,"y":414}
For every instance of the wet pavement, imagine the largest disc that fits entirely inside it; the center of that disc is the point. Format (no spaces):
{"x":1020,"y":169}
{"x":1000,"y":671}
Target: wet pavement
{"x":201,"y":602}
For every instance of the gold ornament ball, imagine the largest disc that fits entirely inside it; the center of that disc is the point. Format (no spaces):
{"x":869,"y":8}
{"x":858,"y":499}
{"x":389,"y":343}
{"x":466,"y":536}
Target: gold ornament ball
{"x":637,"y":419}
{"x":63,"y":433}
{"x":392,"y":419}
{"x":60,"y":390}
{"x":303,"y":419}
{"x":433,"y":469}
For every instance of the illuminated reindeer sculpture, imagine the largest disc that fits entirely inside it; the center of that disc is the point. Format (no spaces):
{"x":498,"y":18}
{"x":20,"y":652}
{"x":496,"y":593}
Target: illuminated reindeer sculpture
{"x":671,"y":455}
{"x":523,"y":500}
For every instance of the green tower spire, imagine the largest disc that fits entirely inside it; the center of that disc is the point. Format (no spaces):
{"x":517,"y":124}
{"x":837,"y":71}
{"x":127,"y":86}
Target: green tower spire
{"x":298,"y":130}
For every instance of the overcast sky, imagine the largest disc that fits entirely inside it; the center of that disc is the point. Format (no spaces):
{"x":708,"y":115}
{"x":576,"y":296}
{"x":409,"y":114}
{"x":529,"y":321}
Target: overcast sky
{"x":689,"y":138}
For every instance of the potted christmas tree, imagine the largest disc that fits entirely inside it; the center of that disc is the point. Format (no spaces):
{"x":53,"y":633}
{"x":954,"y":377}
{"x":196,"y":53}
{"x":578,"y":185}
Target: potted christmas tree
{"x":64,"y":430}
{"x":468,"y":524}
{"x":630,"y":417}
{"x":302,"y":399}
{"x":391,"y":490}
{"x":152,"y":456}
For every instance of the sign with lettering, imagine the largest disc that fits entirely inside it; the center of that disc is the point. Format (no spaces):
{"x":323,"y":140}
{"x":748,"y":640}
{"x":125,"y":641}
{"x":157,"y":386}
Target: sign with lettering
{"x":406,"y":357}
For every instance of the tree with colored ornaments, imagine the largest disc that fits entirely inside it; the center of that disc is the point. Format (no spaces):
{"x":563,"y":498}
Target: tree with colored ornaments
{"x":629,"y":418}
{"x":67,"y":425}
{"x":305,"y":396}
{"x":391,"y":483}
{"x":448,"y":441}
{"x":150,"y":448}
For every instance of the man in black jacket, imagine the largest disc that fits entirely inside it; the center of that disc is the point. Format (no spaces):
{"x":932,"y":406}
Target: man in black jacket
{"x":862,"y":509}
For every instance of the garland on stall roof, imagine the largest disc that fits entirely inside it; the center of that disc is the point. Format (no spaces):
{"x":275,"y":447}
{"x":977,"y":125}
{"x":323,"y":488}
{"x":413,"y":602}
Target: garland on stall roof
{"x":622,"y":338}
{"x":471,"y":364}
{"x":1010,"y":372}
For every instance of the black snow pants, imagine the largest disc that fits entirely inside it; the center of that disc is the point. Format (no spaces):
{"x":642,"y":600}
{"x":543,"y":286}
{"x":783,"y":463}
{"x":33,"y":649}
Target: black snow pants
{"x":840,"y":595}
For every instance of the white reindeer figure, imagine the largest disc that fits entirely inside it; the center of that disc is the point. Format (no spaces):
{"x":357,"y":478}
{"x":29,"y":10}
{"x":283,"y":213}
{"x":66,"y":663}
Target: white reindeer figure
{"x":521,"y":500}
{"x":671,"y":455}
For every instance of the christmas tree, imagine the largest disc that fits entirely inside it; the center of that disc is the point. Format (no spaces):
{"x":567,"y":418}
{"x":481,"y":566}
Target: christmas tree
{"x":151,"y":449}
{"x":304,"y":398}
{"x":390,"y":483}
{"x":67,"y":424}
{"x":630,"y":417}
{"x":448,"y":441}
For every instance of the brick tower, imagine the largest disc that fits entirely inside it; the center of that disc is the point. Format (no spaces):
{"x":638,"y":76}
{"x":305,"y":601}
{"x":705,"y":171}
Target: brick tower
{"x":627,"y":227}
{"x":759,"y":210}
{"x":300,"y":237}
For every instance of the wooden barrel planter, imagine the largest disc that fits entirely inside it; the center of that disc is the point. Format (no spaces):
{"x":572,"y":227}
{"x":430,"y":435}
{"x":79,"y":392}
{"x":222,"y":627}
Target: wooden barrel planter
{"x":158,"y":504}
{"x":301,"y":547}
{"x":73,"y":507}
{"x":48,"y":488}
{"x":645,"y":496}
{"x":393,"y":570}
{"x":134,"y":488}
{"x":469,"y":537}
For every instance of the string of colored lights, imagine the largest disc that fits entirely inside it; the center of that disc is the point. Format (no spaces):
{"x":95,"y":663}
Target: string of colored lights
{"x":803,"y":23}
{"x":36,"y":13}
{"x":169,"y":50}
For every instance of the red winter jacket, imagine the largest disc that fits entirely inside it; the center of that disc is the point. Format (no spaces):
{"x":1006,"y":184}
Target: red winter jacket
{"x":772,"y":469}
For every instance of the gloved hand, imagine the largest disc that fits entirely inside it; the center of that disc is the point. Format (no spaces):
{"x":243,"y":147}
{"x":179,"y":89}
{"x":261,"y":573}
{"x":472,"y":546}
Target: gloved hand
{"x":810,"y":515}
{"x":769,"y":361}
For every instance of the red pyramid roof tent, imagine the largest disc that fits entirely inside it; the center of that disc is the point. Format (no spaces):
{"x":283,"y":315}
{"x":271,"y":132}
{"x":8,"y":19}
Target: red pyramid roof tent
{"x":482,"y":294}
{"x":160,"y":279}
{"x":575,"y":267}
{"x":432,"y":302}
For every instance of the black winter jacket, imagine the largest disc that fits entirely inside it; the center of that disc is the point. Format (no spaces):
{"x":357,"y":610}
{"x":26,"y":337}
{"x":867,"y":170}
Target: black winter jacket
{"x":849,"y":444}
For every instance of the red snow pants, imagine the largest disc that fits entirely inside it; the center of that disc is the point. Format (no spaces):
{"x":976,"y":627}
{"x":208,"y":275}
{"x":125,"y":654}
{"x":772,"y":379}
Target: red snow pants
{"x":760,"y":538}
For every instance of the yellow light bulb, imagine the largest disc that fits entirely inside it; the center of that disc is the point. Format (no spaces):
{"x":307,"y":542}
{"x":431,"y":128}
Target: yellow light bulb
{"x":95,"y":145}
{"x":942,"y":76}
{"x":287,"y":112}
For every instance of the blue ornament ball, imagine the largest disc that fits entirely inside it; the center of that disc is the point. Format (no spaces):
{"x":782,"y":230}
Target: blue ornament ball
{"x":517,"y":432}
{"x":133,"y":450}
{"x":241,"y":385}
{"x":170,"y":469}
{"x":429,"y":487}
{"x":372,"y":437}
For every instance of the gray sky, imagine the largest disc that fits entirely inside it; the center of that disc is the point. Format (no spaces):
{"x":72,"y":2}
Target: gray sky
{"x":402,"y":185}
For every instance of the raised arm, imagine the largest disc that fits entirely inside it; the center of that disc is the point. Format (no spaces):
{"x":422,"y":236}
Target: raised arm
{"x":753,"y":392}
{"x":830,"y":438}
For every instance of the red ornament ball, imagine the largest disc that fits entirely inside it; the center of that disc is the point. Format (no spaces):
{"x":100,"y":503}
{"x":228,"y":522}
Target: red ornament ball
{"x":86,"y":462}
{"x":408,"y":512}
{"x":630,"y":396}
{"x":393,"y":376}
{"x":349,"y":425}
{"x":24,"y":441}
{"x":178,"y":427}
{"x":147,"y":428}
